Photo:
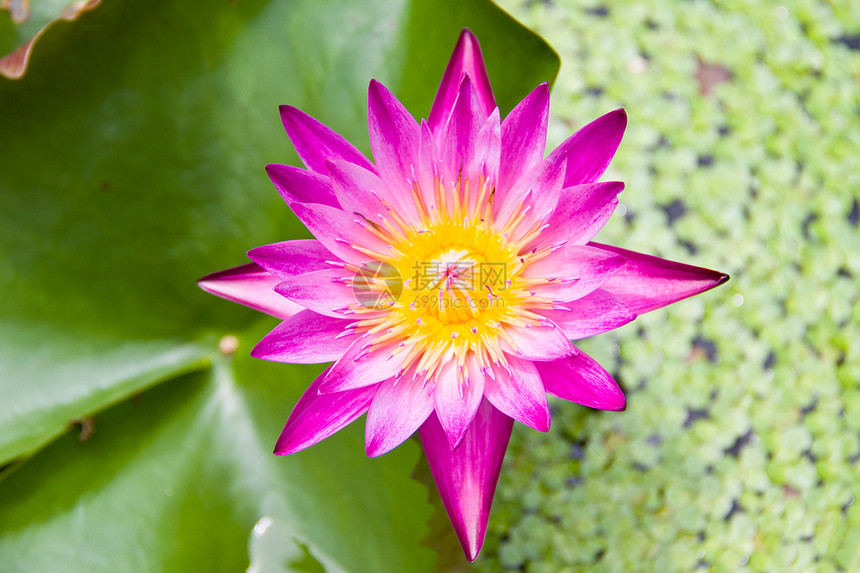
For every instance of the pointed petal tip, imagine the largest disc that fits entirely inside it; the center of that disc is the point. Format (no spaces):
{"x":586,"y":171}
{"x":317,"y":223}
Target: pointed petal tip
{"x":256,"y":353}
{"x":619,"y":118}
{"x":285,"y":446}
{"x":466,"y":38}
{"x":616,"y":404}
{"x":720,"y":278}
{"x":546,"y":423}
{"x":209,"y":281}
{"x":375,"y":86}
{"x":372,"y":449}
{"x":263,"y":351}
{"x":455,"y":438}
{"x":288,"y":111}
{"x":472,"y":548}
{"x":467,"y":32}
{"x":472,"y":540}
{"x":375,"y":448}
{"x":282,"y":450}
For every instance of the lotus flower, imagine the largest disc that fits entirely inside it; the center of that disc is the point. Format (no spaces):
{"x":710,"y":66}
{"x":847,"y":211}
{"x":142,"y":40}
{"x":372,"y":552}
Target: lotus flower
{"x":448,"y":277}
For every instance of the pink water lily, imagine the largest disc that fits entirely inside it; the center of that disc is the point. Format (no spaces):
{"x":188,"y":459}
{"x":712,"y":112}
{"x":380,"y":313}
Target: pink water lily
{"x":448,"y":278}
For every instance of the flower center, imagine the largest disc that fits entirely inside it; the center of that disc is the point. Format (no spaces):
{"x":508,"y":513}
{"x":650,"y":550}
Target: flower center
{"x":462,"y":283}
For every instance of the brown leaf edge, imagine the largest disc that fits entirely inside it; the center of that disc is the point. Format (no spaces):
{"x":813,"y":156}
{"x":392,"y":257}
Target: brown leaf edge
{"x":14,"y":65}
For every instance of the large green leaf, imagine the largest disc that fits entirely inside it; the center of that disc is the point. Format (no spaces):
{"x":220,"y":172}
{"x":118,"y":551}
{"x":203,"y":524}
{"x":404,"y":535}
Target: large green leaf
{"x":131,"y":163}
{"x":182,"y":479}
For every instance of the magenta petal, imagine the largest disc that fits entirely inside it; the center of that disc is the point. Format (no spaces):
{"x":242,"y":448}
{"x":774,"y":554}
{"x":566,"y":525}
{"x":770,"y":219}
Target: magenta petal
{"x":466,"y":59}
{"x":582,"y":380}
{"x":596,"y":312}
{"x":429,"y":165}
{"x":540,"y":342}
{"x":520,"y":395}
{"x":460,"y":135}
{"x":397,"y":411}
{"x":305,"y":338}
{"x":589,"y":150}
{"x":290,"y":258}
{"x":314,"y":142}
{"x":360,"y":366}
{"x":357,"y":189}
{"x":573,"y":262}
{"x":457,"y":399}
{"x":581,"y":269}
{"x":524,"y":137}
{"x":467,"y":477}
{"x":394,"y":136}
{"x":581,"y":212}
{"x":301,"y":185}
{"x":318,"y":416}
{"x":324,"y":292}
{"x":337,"y":230}
{"x":252,"y":286}
{"x":488,"y":149}
{"x":647,"y":282}
{"x":539,"y":189}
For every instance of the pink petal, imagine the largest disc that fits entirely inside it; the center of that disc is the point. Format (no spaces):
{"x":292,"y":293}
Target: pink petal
{"x":589,"y":150}
{"x":466,"y":59}
{"x":324,"y":292}
{"x":360,"y":366}
{"x":394,"y":138}
{"x":301,"y":185}
{"x":539,"y":190}
{"x":429,"y":166}
{"x":590,"y":268}
{"x":646,"y":282}
{"x":573,"y":262}
{"x":314,"y":142}
{"x":457,"y":399}
{"x":290,"y":258}
{"x":540,"y":342}
{"x":252,"y":286}
{"x":398,"y":410}
{"x":524,"y":137}
{"x":488,"y":149}
{"x":520,"y":395}
{"x":357,"y":189}
{"x":305,"y":338}
{"x":460,"y":135}
{"x":595,"y":313}
{"x":337,"y":230}
{"x":582,"y":380}
{"x":581,"y":212}
{"x":467,"y":477}
{"x":318,"y":416}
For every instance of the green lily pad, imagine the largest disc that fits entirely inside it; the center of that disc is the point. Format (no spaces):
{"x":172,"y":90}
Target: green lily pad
{"x":182,"y":479}
{"x":131,"y":164}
